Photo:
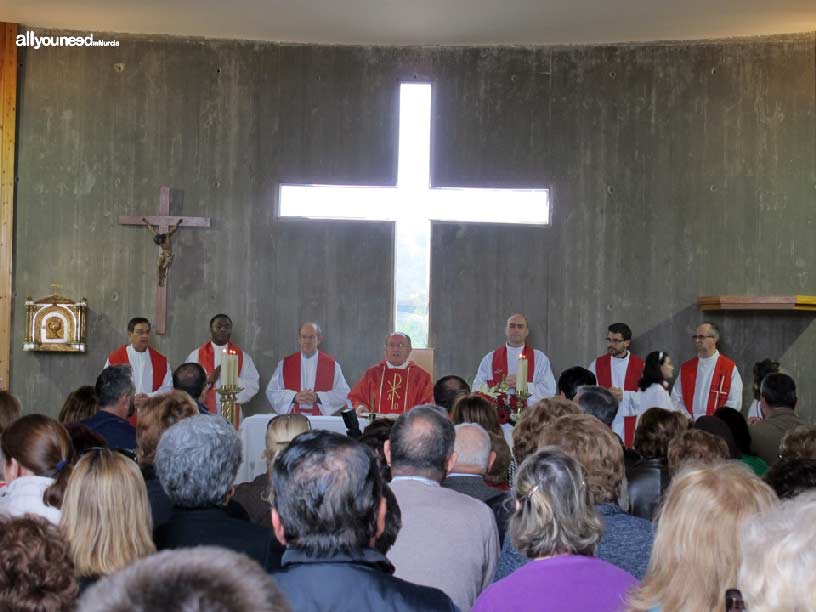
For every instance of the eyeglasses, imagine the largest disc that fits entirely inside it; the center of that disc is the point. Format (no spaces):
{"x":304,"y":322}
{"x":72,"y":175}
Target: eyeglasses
{"x":701,"y":337}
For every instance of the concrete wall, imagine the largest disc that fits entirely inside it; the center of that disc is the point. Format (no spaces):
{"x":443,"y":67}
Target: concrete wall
{"x":676,"y":170}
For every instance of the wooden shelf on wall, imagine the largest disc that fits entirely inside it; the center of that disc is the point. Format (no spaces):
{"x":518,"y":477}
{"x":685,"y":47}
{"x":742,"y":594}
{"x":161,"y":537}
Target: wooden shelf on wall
{"x":765,"y":302}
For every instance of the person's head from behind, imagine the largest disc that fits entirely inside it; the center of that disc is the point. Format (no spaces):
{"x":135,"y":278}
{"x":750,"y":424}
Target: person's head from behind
{"x":696,"y":554}
{"x":393,"y":522}
{"x":156,"y":416}
{"x":599,"y":402}
{"x":656,"y":428}
{"x":761,"y":370}
{"x":791,"y":477}
{"x":197,"y":460}
{"x":657,"y":369}
{"x":106,"y":514}
{"x":114,"y":390}
{"x":37,"y":445}
{"x":79,"y":405}
{"x":83,"y":437}
{"x":280,"y":431}
{"x":696,"y":446}
{"x":779,"y":557}
{"x":738,"y":426}
{"x":572,"y":378}
{"x":777,"y":392}
{"x":190,"y":378}
{"x":717,"y":427}
{"x":553,"y":513}
{"x":201,"y":579}
{"x":421,"y":444}
{"x":374,"y":437}
{"x":473,"y":449}
{"x":447,"y":389}
{"x":344,"y":475}
{"x":799,"y":443}
{"x":10,"y":410}
{"x":535,"y":419}
{"x":595,"y":447}
{"x":474,"y":408}
{"x":36,"y":572}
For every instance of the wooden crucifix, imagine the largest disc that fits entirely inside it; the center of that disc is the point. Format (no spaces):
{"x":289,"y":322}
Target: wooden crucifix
{"x":163,"y":226}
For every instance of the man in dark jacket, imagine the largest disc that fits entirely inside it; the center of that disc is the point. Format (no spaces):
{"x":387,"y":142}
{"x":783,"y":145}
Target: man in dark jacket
{"x":196,"y":462}
{"x":328,"y":509}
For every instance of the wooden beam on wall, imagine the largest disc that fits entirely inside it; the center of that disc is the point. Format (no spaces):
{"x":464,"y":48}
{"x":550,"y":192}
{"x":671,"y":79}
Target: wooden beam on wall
{"x":8,"y":123}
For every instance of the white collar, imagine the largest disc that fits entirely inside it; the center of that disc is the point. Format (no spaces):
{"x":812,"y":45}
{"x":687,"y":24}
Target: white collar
{"x":312,"y":356}
{"x":422,"y":479}
{"x":219,"y":349}
{"x":391,"y":366}
{"x":712,"y":358}
{"x":624,"y":358}
{"x":465,"y":475}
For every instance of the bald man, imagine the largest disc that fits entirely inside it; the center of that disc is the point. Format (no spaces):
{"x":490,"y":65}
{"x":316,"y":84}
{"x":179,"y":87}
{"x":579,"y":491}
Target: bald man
{"x":308,"y":381}
{"x":500,"y":365}
{"x":395,"y":385}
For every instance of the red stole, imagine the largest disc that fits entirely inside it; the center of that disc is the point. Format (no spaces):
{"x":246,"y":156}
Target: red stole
{"x":206,"y":359}
{"x":324,"y":378}
{"x":634,"y":370}
{"x":500,"y":364}
{"x":157,"y":361}
{"x":720,"y":383}
{"x":394,"y":388}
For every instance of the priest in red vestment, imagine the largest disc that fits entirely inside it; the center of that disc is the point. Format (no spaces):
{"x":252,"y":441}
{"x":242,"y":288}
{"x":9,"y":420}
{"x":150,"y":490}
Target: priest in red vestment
{"x":619,"y":371}
{"x":709,"y":380}
{"x":395,"y":385}
{"x":209,"y":355}
{"x":309,"y":381}
{"x":150,"y":369}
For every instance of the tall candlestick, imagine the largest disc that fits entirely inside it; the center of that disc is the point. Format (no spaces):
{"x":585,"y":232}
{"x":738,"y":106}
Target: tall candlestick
{"x":521,"y":375}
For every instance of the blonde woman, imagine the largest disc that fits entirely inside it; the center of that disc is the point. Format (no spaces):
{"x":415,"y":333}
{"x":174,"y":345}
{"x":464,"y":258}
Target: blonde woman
{"x":106,"y":515}
{"x":252,"y":495}
{"x":696,"y":551}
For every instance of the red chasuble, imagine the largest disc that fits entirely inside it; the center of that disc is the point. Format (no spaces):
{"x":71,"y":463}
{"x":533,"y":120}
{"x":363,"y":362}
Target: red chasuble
{"x":392,"y":390}
{"x":157,"y":361}
{"x":206,"y":359}
{"x":634,"y":370}
{"x":324,"y":378}
{"x":720,"y":383}
{"x":500,"y":364}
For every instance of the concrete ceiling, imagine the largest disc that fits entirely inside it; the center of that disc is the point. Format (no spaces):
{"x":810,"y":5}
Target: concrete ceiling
{"x":423,"y":22}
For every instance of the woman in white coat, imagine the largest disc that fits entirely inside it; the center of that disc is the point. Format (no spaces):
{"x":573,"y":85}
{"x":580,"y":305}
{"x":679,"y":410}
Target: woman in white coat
{"x":658,"y":371}
{"x":38,"y":453}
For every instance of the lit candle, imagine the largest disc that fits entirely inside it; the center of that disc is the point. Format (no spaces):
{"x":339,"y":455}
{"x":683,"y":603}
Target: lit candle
{"x":521,"y":375}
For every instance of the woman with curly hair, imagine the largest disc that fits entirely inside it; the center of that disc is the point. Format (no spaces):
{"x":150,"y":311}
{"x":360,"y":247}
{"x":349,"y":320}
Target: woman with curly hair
{"x":36,"y":571}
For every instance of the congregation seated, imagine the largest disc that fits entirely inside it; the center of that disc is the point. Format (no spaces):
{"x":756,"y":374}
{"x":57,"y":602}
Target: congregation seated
{"x":535,"y":418}
{"x":156,"y":415}
{"x":37,"y":454}
{"x":555,"y":525}
{"x":196,"y":461}
{"x":203,"y":579}
{"x":36,"y":571}
{"x":696,"y":555}
{"x":696,"y":446}
{"x":742,"y":438}
{"x":779,"y":557}
{"x":252,"y":496}
{"x":474,"y":408}
{"x":80,"y":404}
{"x":792,"y":477}
{"x":330,"y":562}
{"x":448,"y":540}
{"x":648,"y":476}
{"x":115,"y":396}
{"x":105,"y":515}
{"x":625,"y":540}
{"x":474,"y":458}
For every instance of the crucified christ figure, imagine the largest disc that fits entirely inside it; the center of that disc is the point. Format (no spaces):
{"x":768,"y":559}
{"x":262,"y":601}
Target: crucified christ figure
{"x":166,"y":252}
